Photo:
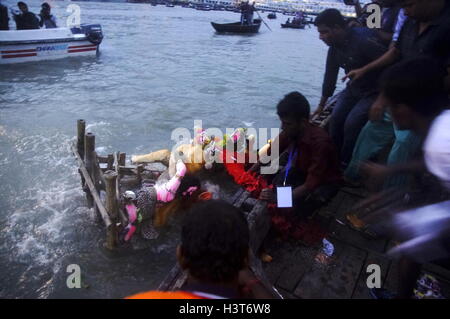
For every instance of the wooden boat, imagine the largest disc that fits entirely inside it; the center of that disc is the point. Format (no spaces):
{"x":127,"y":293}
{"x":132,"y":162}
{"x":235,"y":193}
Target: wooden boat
{"x":293,"y":25}
{"x":271,"y":16}
{"x":237,"y":27}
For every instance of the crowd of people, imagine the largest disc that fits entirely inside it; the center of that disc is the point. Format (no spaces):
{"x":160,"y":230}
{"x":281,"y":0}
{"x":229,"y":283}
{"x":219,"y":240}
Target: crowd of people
{"x":27,"y":20}
{"x":394,"y":105}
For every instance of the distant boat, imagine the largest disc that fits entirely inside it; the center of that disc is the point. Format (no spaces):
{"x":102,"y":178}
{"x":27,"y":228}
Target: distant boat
{"x":293,"y":25}
{"x":169,"y":5}
{"x":203,"y":7}
{"x":237,"y":27}
{"x":271,"y":16}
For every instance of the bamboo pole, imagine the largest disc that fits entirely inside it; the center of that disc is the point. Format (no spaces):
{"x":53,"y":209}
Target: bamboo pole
{"x":112,"y":207}
{"x":91,"y":187}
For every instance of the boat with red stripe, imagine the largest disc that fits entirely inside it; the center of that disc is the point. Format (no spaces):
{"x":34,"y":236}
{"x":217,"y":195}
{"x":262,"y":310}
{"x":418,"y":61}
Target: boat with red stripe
{"x":18,"y":46}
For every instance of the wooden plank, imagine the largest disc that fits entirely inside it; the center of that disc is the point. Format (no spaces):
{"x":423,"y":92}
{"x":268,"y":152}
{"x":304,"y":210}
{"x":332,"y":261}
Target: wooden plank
{"x":336,"y":281}
{"x":238,"y":203}
{"x":350,"y":236}
{"x":298,"y":264}
{"x":168,"y":283}
{"x":361,"y":290}
{"x":391,"y":282}
{"x":259,"y":223}
{"x":355,"y":191}
{"x":112,"y":207}
{"x":236,"y":195}
{"x":92,"y":189}
{"x":281,"y":252}
{"x":348,"y":202}
{"x":102,"y":159}
{"x":257,"y":267}
{"x":355,"y":238}
{"x":285,"y":294}
{"x":333,"y":205}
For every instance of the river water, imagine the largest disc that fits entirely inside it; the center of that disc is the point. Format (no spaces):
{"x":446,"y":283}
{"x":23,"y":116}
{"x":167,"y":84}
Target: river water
{"x":159,"y":68}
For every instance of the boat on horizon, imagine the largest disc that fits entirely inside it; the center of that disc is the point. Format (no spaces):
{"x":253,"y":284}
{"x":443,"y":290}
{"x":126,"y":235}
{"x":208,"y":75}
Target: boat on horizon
{"x":17,"y":46}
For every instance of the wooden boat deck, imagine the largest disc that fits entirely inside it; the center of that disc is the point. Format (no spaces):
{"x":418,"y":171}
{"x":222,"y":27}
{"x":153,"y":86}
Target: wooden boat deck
{"x":295,"y":273}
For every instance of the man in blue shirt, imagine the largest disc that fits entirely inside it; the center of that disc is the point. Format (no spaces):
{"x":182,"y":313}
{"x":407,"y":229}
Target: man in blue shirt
{"x":349,"y":48}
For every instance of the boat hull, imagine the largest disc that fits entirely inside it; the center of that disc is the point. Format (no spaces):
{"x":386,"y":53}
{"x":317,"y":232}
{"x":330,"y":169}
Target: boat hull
{"x":20,"y":53}
{"x":237,"y":27}
{"x":292,"y":26}
{"x":45,"y":44}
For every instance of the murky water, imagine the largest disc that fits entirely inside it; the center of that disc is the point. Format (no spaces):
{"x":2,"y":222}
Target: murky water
{"x":160,"y":68}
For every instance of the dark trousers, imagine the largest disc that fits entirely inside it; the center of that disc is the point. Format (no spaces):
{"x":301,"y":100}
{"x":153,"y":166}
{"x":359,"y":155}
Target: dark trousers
{"x":312,"y":201}
{"x":348,"y":118}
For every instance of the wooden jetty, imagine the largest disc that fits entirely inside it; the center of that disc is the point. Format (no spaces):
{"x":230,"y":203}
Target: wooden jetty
{"x":103,"y":179}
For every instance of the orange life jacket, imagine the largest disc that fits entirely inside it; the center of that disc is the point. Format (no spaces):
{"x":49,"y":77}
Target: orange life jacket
{"x":165,"y":295}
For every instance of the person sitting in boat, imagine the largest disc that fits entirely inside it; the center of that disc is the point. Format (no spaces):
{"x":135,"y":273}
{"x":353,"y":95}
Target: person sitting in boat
{"x":214,"y":252}
{"x":312,"y":171}
{"x":4,"y":18}
{"x":48,"y":20}
{"x":26,"y":20}
{"x":288,"y":21}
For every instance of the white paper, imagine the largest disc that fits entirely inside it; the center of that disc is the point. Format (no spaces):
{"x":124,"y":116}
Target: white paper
{"x":284,"y":197}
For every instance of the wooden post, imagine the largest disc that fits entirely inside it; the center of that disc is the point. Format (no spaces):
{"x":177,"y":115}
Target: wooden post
{"x":110,"y":162}
{"x":89,"y":148}
{"x":140,"y":169}
{"x":81,"y":127}
{"x":122,"y":157}
{"x":112,"y":207}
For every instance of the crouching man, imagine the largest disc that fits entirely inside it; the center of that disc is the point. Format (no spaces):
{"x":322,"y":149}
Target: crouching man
{"x":312,"y":168}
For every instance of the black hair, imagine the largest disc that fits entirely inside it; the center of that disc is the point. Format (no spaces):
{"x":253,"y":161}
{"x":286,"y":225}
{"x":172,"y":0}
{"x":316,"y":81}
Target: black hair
{"x":20,"y":3}
{"x":214,"y":241}
{"x":330,"y":18}
{"x":294,"y":105}
{"x":418,"y":83}
{"x":45,"y":5}
{"x":186,"y":182}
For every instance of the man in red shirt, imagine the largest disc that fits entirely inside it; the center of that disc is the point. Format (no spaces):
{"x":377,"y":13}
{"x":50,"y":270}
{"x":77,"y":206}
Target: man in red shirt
{"x":314,"y":173}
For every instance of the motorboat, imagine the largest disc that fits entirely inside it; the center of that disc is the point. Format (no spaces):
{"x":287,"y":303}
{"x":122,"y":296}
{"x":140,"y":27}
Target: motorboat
{"x":48,"y":44}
